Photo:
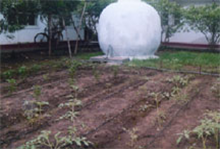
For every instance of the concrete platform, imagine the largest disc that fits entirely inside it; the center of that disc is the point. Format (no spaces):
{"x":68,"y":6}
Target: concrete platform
{"x":111,"y":60}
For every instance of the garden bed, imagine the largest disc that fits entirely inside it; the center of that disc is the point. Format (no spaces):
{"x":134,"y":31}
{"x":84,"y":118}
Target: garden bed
{"x":122,"y":107}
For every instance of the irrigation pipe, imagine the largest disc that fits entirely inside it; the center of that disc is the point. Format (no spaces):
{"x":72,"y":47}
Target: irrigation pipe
{"x":114,"y":117}
{"x":188,"y":72}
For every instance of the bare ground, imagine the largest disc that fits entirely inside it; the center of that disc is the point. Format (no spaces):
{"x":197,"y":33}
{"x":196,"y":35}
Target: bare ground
{"x":111,"y":108}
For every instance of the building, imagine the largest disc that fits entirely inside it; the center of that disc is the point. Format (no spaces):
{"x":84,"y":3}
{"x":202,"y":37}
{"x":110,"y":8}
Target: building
{"x":25,"y":37}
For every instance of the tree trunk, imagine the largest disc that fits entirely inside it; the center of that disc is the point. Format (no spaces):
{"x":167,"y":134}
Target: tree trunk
{"x":68,"y":40}
{"x":49,"y":34}
{"x":79,"y":28}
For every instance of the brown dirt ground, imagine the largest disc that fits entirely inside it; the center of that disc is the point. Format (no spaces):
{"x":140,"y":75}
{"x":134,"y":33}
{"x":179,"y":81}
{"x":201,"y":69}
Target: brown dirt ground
{"x":110,"y":105}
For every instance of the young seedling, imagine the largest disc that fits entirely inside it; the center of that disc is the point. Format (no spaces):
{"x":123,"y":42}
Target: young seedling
{"x":37,"y":92}
{"x":96,"y":73}
{"x":216,"y":88}
{"x":160,"y":115}
{"x":179,"y":81}
{"x":12,"y":85}
{"x":144,"y":107}
{"x":45,"y":76}
{"x":58,"y":142}
{"x":71,"y":104}
{"x":23,"y":71}
{"x":33,"y":109}
{"x":8,"y":74}
{"x":133,"y":136}
{"x":209,"y":127}
{"x":73,"y":69}
{"x":35,"y":68}
{"x":115,"y":71}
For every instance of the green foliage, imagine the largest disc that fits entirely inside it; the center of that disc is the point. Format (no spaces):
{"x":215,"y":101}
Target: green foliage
{"x":179,"y":81}
{"x":93,"y":11}
{"x":12,"y":85}
{"x":209,"y":127}
{"x":71,"y":104}
{"x":58,"y":142}
{"x":8,"y":74}
{"x":205,"y":19}
{"x":181,"y":60}
{"x":37,"y":91}
{"x":34,"y":108}
{"x":15,"y":13}
{"x":216,"y":88}
{"x":133,"y":135}
{"x":168,"y":12}
{"x":23,"y":71}
{"x":115,"y":71}
{"x":73,"y":68}
{"x":35,"y":68}
{"x":96,"y":73}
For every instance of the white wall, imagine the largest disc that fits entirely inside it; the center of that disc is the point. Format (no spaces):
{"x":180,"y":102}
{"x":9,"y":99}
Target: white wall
{"x":27,"y":34}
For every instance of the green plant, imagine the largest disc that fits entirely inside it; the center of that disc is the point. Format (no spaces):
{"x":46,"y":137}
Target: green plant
{"x":12,"y":85}
{"x":115,"y":71}
{"x":35,"y":68}
{"x":96,"y":73}
{"x":144,"y":107}
{"x":216,"y":88}
{"x":44,"y":140}
{"x":33,"y":109}
{"x":71,"y":104}
{"x":45,"y":76}
{"x":8,"y":74}
{"x":133,"y":136}
{"x":181,"y":98}
{"x":23,"y":71}
{"x":205,"y":19}
{"x":160,"y":114}
{"x":73,"y":68}
{"x":179,"y":81}
{"x":209,"y":127}
{"x":185,"y":134}
{"x":37,"y":91}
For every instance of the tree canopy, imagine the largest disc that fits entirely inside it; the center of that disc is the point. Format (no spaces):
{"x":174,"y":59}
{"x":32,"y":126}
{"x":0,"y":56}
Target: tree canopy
{"x":205,"y":19}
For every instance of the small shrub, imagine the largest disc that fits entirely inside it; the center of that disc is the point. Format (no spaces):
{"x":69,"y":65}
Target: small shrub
{"x":209,"y":127}
{"x":23,"y":71}
{"x":12,"y":85}
{"x":8,"y":74}
{"x":35,"y":68}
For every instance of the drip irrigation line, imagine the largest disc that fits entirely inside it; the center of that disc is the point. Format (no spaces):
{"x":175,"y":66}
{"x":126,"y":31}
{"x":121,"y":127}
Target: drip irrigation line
{"x":171,"y":120}
{"x":187,"y":72}
{"x":114,"y":117}
{"x":112,"y":94}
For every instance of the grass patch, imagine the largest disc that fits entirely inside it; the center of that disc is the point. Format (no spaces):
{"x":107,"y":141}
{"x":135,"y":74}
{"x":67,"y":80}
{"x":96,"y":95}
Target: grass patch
{"x":182,"y":60}
{"x":87,"y":56}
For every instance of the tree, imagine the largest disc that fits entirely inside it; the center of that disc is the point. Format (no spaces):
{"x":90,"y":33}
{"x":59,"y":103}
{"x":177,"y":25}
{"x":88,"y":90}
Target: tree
{"x":93,"y":11}
{"x":171,"y":17}
{"x":57,"y":11}
{"x":13,"y":12}
{"x":205,"y":19}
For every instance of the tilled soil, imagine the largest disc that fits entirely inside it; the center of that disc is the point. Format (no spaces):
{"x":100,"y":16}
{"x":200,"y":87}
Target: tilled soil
{"x":112,"y":108}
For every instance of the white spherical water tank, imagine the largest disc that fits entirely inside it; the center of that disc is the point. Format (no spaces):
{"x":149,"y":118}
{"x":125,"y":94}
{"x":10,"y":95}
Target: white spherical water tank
{"x":129,"y":28}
